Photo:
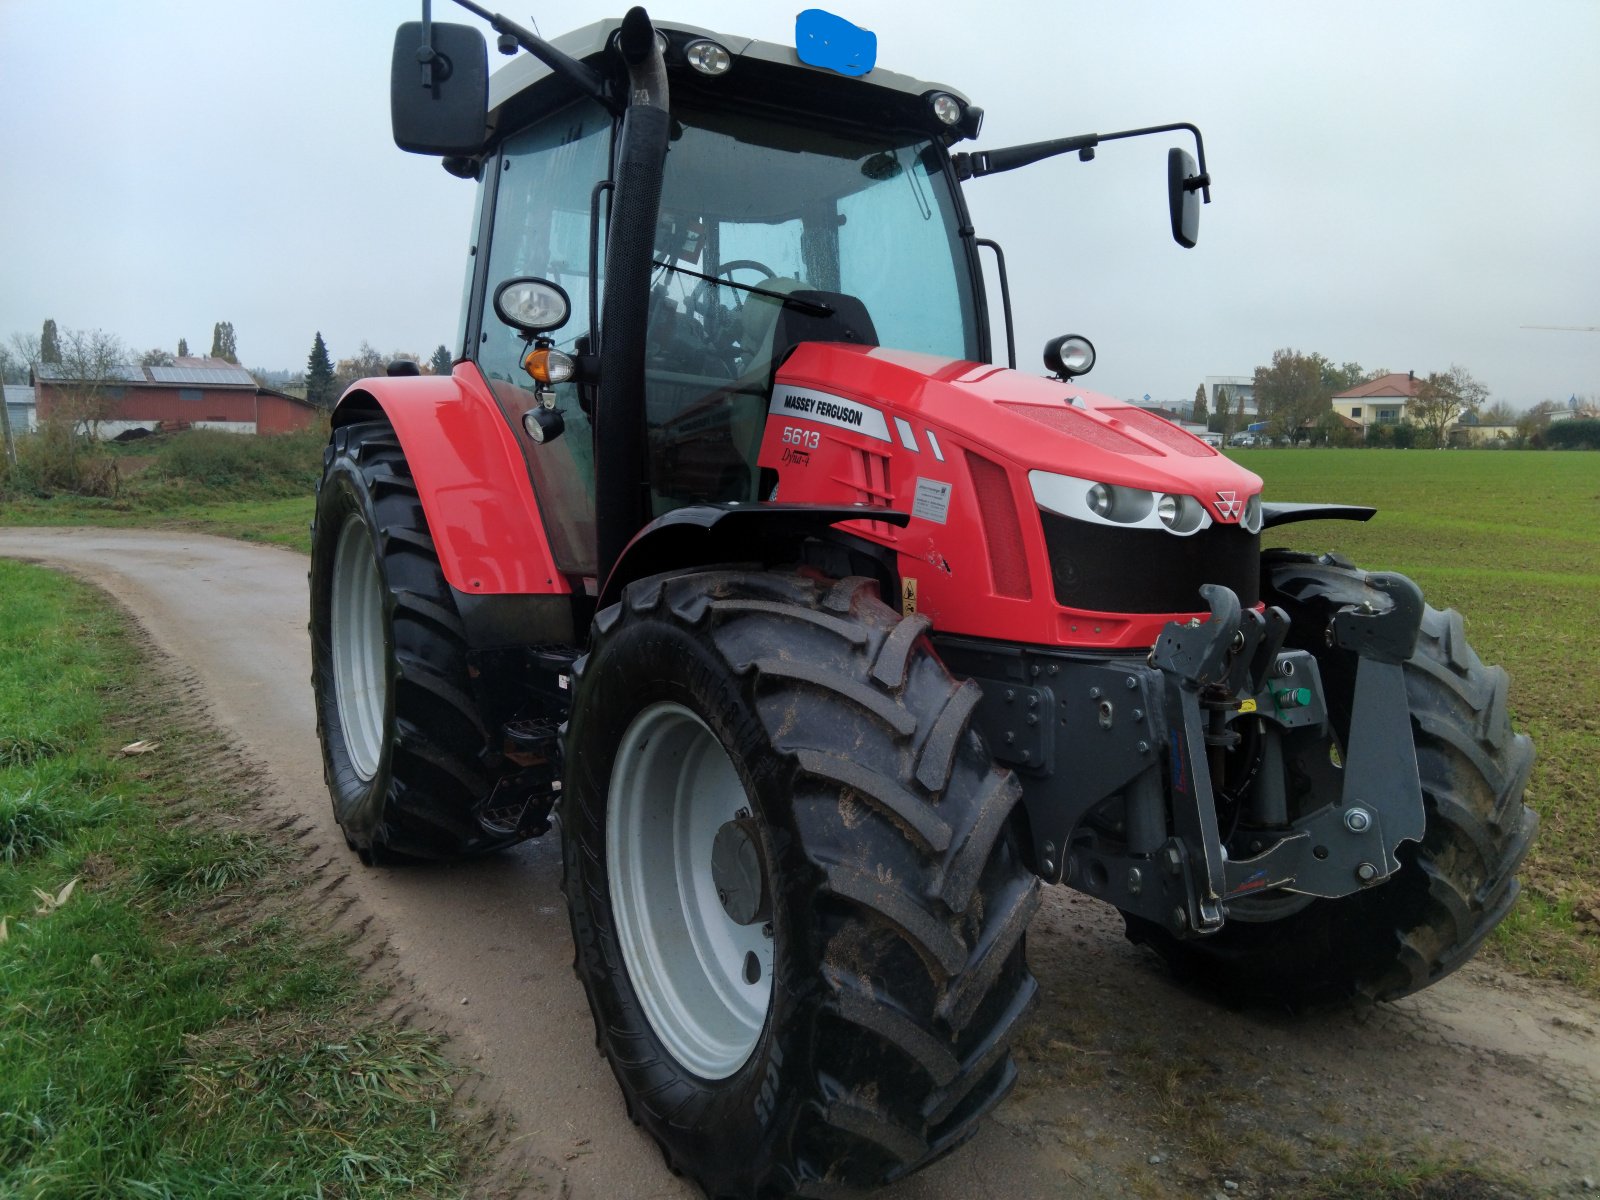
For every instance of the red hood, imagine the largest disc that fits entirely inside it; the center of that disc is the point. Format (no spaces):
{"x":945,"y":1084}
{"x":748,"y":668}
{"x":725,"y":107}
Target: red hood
{"x":1037,"y":423}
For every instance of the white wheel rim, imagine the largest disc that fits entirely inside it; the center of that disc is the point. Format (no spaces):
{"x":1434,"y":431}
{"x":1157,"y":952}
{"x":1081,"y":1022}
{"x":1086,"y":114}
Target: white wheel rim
{"x":672,"y":787}
{"x":360,"y":683}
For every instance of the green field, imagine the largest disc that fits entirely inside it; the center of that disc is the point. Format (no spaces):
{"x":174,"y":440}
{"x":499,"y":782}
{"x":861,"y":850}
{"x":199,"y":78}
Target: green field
{"x":1512,"y":540}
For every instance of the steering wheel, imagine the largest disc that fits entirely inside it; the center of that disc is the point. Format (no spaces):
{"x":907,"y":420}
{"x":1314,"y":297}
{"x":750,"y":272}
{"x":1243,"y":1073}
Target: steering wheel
{"x":719,"y":321}
{"x":746,"y":264}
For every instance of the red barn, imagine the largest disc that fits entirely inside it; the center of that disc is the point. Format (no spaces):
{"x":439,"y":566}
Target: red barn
{"x":205,"y":393}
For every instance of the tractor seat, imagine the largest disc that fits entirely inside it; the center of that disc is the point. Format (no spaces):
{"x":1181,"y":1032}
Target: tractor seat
{"x":774,"y":329}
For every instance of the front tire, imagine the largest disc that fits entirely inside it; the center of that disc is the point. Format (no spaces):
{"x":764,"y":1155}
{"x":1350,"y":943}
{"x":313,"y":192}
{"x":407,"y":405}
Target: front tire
{"x":402,"y":741}
{"x":1453,"y":887}
{"x":857,"y":1024}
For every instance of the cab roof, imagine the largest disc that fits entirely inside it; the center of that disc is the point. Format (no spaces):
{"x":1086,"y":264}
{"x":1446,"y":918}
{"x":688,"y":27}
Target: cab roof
{"x":526,"y":88}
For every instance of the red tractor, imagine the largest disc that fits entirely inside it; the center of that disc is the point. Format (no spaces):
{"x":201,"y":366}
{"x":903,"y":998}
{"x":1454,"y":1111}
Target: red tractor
{"x":828,"y":640}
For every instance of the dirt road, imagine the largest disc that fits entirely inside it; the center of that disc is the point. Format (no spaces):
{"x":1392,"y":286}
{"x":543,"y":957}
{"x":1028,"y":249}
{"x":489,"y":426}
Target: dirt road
{"x":1130,"y":1085}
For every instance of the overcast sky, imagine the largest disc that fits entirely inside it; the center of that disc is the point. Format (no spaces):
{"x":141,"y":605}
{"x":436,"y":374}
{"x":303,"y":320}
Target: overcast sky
{"x":1399,"y":185}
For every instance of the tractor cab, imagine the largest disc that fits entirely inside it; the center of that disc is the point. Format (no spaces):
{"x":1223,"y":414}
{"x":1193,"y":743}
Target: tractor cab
{"x":795,"y":204}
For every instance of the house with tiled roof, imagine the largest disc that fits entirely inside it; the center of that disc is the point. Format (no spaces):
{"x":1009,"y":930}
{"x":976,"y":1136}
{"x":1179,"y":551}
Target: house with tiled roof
{"x":1380,"y":401}
{"x":206,"y":393}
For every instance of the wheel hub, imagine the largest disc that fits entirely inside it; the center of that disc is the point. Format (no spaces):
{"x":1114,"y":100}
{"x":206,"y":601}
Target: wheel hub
{"x":675,"y":807}
{"x":739,"y":871}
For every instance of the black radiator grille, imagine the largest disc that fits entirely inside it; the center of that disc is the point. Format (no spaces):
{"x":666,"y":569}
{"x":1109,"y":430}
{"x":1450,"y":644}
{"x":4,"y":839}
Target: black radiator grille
{"x":1106,"y":568}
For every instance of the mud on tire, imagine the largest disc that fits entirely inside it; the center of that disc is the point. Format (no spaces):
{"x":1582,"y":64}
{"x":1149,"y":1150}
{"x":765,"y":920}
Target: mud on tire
{"x":401,"y":738}
{"x":894,"y":970}
{"x":1454,"y":886}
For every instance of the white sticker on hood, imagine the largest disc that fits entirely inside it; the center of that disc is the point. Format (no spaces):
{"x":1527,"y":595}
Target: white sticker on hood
{"x":932,"y":500}
{"x":829,"y":410}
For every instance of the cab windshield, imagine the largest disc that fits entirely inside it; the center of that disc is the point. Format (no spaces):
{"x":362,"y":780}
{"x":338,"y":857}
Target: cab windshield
{"x":783,"y":207}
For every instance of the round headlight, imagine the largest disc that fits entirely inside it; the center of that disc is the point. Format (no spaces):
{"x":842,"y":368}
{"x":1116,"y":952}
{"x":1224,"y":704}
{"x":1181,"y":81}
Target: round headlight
{"x":1181,"y":514}
{"x":708,"y":57}
{"x":532,"y":305}
{"x":947,"y":108}
{"x":1099,"y":500}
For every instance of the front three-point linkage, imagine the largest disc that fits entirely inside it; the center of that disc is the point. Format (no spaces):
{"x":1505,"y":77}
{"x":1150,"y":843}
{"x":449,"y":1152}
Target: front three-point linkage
{"x":1207,"y":667}
{"x":1234,"y":662}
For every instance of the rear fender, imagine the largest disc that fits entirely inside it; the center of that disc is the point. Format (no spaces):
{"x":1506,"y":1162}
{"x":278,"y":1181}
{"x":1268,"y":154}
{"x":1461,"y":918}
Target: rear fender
{"x":470,"y":476}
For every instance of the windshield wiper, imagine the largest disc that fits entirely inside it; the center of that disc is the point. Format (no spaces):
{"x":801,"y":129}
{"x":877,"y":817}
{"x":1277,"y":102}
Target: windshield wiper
{"x":809,"y":307}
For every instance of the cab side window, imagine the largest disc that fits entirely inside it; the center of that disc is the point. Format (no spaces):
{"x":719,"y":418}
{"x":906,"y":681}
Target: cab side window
{"x":541,"y":228}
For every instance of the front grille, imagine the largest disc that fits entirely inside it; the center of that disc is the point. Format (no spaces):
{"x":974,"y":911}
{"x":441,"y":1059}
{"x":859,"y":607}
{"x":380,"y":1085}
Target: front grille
{"x":1106,"y":568}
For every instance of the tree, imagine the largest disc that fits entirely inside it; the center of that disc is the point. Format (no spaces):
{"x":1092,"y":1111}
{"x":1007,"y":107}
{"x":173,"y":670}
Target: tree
{"x":1199,"y":417}
{"x":367,"y":362}
{"x":183,"y":347}
{"x":20,"y":357}
{"x":320,"y":388}
{"x":441,"y":360}
{"x":92,"y":363}
{"x":1224,"y":414}
{"x":1498,"y":413}
{"x":156,"y":358}
{"x":223,"y":345}
{"x":49,"y":343}
{"x":1293,"y":393}
{"x":1442,"y":399}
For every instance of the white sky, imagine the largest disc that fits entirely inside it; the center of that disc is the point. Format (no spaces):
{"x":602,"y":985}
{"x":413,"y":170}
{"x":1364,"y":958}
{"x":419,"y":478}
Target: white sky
{"x":1402,"y":185}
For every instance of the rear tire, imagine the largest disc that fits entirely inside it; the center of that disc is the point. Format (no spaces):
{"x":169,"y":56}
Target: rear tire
{"x":866,"y":1029}
{"x":402,"y":742}
{"x":1453,"y":887}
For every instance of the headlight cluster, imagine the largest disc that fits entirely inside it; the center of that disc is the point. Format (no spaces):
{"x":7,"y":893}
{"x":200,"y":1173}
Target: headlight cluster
{"x":1134,"y":508}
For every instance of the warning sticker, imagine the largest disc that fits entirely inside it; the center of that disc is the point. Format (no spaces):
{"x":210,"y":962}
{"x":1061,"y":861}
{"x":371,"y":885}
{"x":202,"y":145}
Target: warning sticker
{"x":932,"y":500}
{"x":908,"y":596}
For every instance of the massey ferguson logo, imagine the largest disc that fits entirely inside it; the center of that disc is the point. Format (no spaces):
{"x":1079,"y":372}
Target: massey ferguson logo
{"x":1229,"y":506}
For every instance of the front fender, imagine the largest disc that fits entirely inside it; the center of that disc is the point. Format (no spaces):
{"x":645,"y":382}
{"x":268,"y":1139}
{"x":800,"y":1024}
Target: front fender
{"x":701,"y":534}
{"x":470,"y":476}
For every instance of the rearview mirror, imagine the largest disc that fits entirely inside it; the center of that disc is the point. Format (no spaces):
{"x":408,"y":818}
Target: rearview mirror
{"x":439,"y":104}
{"x":1183,"y":197}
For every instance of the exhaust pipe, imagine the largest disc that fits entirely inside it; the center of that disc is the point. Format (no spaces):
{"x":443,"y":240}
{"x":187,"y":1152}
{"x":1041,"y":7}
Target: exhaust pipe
{"x":622,"y":488}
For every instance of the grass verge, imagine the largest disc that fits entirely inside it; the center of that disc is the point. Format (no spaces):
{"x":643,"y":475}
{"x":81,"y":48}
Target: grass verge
{"x":172,"y":1023}
{"x":258,"y":489}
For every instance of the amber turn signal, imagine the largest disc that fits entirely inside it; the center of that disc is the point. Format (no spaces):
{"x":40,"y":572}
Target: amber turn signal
{"x":547,"y":366}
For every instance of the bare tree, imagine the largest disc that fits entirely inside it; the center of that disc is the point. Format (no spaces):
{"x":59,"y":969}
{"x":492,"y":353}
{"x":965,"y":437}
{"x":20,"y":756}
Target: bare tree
{"x":368,"y":362}
{"x":92,"y":364}
{"x":1442,"y":399}
{"x":20,"y":353}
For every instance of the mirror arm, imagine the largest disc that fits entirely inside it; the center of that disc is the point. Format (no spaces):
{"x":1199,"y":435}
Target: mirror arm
{"x":584,"y":78}
{"x":425,"y":52}
{"x":1008,"y":158}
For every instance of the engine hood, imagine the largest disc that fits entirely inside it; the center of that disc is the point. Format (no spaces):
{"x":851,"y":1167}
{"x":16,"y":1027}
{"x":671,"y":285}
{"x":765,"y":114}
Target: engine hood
{"x":1032,"y":422}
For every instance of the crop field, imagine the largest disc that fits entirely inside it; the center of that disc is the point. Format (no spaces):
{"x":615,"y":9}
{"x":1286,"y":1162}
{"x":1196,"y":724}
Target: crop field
{"x":1512,"y":540}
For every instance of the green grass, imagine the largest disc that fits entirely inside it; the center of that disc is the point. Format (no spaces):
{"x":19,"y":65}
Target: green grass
{"x":258,"y":489}
{"x":168,"y":1024}
{"x":1512,"y":540}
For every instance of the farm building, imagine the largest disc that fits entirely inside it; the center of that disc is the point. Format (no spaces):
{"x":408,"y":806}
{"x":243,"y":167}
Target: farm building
{"x":205,"y":393}
{"x":19,"y":407}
